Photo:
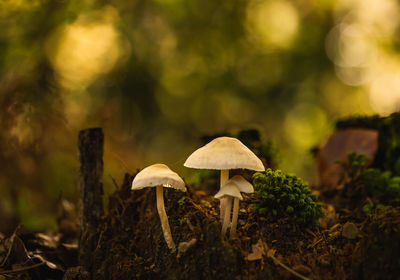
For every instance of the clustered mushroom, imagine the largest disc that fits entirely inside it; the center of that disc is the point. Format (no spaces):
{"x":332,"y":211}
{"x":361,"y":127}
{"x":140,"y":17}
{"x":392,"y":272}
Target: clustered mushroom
{"x":231,"y":190}
{"x":223,"y":153}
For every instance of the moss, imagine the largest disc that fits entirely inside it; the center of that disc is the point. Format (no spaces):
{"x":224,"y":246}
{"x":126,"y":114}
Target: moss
{"x":286,"y":196}
{"x":354,"y":166}
{"x":181,"y":201}
{"x":373,"y":208}
{"x":378,"y":185}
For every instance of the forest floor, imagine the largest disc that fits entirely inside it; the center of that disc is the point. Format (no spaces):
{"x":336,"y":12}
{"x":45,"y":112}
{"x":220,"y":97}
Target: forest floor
{"x":129,"y":243}
{"x":350,"y":242}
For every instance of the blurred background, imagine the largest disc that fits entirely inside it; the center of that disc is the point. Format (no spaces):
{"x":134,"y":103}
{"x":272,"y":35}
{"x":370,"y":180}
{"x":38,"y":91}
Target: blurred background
{"x":156,"y":75}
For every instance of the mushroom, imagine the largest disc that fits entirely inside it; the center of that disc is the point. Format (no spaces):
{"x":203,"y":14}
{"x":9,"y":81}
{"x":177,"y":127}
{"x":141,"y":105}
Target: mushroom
{"x":228,"y":191}
{"x":159,"y":176}
{"x":245,"y":187}
{"x":224,"y":153}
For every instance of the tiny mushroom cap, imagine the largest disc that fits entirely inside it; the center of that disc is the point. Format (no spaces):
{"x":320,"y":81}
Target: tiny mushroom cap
{"x":230,"y":189}
{"x":224,"y":153}
{"x":156,"y":175}
{"x":243,"y":185}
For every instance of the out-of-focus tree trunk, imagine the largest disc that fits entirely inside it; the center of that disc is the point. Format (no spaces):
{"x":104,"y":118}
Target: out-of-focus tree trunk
{"x":91,"y":191}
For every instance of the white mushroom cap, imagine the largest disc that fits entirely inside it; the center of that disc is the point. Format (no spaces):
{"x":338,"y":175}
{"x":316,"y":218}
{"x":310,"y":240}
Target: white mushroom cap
{"x":224,"y":153}
{"x":229,"y":189}
{"x":156,"y":175}
{"x":243,"y":185}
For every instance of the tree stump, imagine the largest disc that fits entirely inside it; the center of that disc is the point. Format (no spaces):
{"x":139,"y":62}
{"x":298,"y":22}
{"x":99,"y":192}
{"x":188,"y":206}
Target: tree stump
{"x":91,"y":191}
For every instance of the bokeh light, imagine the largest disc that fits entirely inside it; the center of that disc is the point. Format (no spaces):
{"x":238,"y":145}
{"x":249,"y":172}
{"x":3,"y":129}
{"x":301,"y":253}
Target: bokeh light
{"x":361,"y":47}
{"x":158,"y":75}
{"x":385,"y":93}
{"x":85,"y":49}
{"x":273,"y":23}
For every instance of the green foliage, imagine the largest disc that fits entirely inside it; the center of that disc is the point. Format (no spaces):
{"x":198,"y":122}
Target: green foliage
{"x":182,"y":221}
{"x":286,"y":196}
{"x":354,"y":166}
{"x":375,"y":182}
{"x":380,"y":184}
{"x":372,"y":208}
{"x":181,"y":201}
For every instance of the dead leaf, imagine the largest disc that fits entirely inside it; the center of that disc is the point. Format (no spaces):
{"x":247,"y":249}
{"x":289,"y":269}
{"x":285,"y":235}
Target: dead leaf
{"x":257,"y":251}
{"x":271,"y":253}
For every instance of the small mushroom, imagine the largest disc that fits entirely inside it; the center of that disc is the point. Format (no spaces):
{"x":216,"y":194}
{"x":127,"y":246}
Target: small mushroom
{"x":244,"y":187}
{"x":159,"y":176}
{"x":229,"y":190}
{"x":224,"y":153}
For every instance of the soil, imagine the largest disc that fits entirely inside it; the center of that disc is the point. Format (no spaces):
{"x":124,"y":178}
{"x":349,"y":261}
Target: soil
{"x":131,"y":243}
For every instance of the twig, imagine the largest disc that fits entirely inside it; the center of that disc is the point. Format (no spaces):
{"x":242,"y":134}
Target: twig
{"x":21,"y":269}
{"x":285,"y":266}
{"x":310,"y":232}
{"x":315,"y":243}
{"x":9,"y":249}
{"x":100,"y":237}
{"x":114,"y":182}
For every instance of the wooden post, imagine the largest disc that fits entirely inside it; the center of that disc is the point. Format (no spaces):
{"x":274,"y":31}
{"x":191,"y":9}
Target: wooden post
{"x":91,"y":190}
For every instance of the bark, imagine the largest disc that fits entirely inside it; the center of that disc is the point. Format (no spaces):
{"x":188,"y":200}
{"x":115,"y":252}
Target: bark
{"x":91,"y":190}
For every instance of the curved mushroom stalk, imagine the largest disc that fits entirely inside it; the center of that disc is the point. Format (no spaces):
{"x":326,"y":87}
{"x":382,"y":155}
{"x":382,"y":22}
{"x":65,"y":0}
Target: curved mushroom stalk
{"x":227,"y":215}
{"x":234,"y":218}
{"x":164,"y":218}
{"x":159,"y":175}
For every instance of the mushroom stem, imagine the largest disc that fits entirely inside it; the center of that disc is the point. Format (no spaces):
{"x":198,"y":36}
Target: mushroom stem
{"x":234,"y":218}
{"x":223,"y":178}
{"x":227,"y":215}
{"x":164,"y":218}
